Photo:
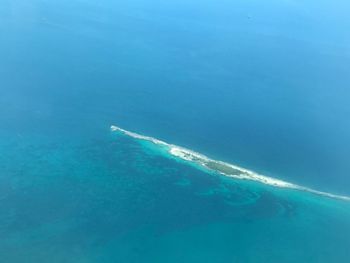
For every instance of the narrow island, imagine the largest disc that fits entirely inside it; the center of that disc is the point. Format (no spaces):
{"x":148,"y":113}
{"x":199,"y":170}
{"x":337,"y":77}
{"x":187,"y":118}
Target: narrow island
{"x":223,"y":168}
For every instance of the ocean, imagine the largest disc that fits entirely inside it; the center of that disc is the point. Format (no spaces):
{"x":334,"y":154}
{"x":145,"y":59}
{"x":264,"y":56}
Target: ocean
{"x":262,"y":85}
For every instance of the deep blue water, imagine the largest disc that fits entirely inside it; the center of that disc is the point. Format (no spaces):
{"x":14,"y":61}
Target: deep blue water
{"x":259,"y":84}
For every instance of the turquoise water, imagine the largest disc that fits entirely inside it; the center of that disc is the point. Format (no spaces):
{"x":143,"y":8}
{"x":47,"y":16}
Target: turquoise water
{"x":116,"y":200}
{"x":261,"y":85}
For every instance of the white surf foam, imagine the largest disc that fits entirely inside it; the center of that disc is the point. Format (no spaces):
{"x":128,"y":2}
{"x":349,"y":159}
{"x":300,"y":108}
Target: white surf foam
{"x":243,"y":174}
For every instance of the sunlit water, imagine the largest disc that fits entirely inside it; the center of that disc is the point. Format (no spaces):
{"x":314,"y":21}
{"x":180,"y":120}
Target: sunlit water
{"x":263,"y":85}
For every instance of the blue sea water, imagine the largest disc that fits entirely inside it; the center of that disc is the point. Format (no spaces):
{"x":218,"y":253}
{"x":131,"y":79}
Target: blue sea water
{"x":259,"y":84}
